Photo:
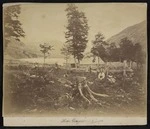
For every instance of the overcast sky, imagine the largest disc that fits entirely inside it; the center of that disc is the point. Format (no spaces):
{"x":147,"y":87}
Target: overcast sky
{"x":46,"y":22}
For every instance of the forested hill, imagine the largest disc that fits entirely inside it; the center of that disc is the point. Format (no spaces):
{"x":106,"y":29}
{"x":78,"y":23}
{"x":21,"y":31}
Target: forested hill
{"x":137,"y":33}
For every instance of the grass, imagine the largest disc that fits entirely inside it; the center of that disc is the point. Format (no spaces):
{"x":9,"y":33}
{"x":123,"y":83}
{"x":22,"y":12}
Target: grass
{"x":32,"y":91}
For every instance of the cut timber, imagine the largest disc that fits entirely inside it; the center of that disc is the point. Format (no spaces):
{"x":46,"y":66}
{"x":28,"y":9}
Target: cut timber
{"x":92,"y":97}
{"x":98,"y":94}
{"x":81,"y":93}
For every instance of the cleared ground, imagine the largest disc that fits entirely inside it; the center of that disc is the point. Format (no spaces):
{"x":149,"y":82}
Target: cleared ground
{"x":42,"y":91}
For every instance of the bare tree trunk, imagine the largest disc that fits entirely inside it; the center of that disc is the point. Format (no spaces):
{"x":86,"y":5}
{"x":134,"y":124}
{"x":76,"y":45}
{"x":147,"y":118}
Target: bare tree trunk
{"x":44,"y":59}
{"x":66,"y":63}
{"x":78,"y":63}
{"x":106,"y":63}
{"x":98,"y":62}
{"x":75,"y":62}
{"x":130,"y":64}
{"x":137,"y":64}
{"x":124,"y":67}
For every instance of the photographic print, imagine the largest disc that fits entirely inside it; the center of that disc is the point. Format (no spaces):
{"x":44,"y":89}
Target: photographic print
{"x":74,"y":64}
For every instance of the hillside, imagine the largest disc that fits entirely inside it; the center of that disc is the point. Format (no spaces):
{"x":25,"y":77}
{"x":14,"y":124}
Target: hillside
{"x":19,"y":50}
{"x":137,"y":33}
{"x":56,"y":53}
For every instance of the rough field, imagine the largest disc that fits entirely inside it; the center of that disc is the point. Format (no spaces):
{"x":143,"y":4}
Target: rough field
{"x":42,"y":91}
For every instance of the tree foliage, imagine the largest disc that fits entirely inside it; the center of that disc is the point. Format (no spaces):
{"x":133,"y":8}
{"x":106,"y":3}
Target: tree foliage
{"x":99,"y":47}
{"x":139,"y":55}
{"x":12,"y":25}
{"x":77,"y":31}
{"x":126,"y":49}
{"x":114,"y":52}
{"x":45,"y":48}
{"x":65,"y":52}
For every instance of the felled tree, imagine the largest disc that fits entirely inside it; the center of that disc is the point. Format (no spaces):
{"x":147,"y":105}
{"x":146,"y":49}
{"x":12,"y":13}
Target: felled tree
{"x":99,"y":47}
{"x":77,"y":32}
{"x":45,"y":48}
{"x":12,"y":25}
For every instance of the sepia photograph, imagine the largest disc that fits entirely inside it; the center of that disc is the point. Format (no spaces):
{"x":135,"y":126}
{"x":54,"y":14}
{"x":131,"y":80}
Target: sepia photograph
{"x":74,"y":64}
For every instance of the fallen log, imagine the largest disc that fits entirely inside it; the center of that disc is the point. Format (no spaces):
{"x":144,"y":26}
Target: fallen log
{"x":92,"y":97}
{"x":97,"y":94}
{"x":84,"y":84}
{"x":81,"y":93}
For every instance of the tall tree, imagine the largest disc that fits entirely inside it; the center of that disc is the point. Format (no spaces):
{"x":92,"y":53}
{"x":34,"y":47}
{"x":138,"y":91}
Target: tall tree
{"x":127,"y":52}
{"x":114,"y":52}
{"x":126,"y":49}
{"x":45,"y":48}
{"x":77,"y":32}
{"x":99,"y":47}
{"x":139,"y":55}
{"x":12,"y":25}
